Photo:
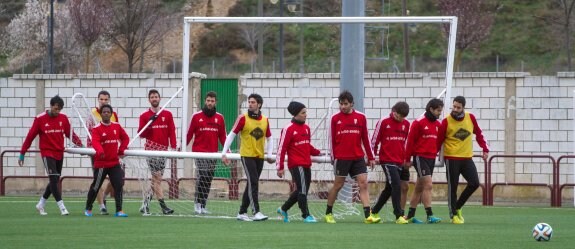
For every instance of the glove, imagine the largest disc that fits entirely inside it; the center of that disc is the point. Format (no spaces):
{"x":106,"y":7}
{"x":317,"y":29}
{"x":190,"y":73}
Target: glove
{"x":153,"y":117}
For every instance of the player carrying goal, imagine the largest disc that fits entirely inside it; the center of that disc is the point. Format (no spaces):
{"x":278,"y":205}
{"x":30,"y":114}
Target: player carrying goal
{"x":160,"y":134}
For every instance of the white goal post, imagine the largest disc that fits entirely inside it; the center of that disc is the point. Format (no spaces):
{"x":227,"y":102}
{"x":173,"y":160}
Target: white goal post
{"x":188,"y":21}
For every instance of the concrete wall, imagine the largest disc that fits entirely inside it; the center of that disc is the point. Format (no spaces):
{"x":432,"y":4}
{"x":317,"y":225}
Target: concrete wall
{"x":519,"y":113}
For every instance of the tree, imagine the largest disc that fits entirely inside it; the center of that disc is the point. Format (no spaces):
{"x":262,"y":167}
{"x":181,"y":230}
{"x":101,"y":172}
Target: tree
{"x":559,"y":18}
{"x":90,"y":19}
{"x":27,"y":34}
{"x":136,"y":28}
{"x":474,"y":23}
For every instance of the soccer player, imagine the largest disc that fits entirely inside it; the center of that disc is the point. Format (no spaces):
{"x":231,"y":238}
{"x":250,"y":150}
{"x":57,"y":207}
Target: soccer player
{"x":51,"y":126}
{"x":159,"y":135}
{"x":389,"y":137}
{"x":348,"y":134}
{"x":422,"y":146}
{"x":252,"y":126}
{"x":105,"y":137}
{"x":455,"y":133}
{"x":103,"y":99}
{"x":295,"y":141}
{"x":206,"y":127}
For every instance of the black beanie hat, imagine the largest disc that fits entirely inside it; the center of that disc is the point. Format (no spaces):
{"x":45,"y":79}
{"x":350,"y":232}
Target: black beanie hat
{"x":295,"y":107}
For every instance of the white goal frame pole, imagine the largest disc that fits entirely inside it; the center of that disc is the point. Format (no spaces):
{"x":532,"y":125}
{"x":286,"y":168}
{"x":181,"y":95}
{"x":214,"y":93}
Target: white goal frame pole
{"x":573,"y":147}
{"x":158,"y":113}
{"x":180,"y":154}
{"x":185,"y":84}
{"x":74,"y":107}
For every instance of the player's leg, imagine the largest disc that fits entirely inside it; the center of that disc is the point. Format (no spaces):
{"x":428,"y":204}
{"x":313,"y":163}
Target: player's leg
{"x":358,"y":171}
{"x":469,"y":173}
{"x":293,"y":198}
{"x":101,"y":201}
{"x":54,"y":170}
{"x":427,"y":166}
{"x":99,"y":176}
{"x":452,"y":171}
{"x":384,"y":195}
{"x":302,"y":197}
{"x":159,"y":164}
{"x":341,"y":170}
{"x":116,"y":175}
{"x":258,"y":216}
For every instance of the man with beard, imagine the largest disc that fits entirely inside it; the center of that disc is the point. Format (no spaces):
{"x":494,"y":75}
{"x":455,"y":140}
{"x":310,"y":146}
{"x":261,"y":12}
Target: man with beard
{"x":159,"y":135}
{"x":206,"y":127}
{"x":455,"y":133}
{"x":252,"y":126}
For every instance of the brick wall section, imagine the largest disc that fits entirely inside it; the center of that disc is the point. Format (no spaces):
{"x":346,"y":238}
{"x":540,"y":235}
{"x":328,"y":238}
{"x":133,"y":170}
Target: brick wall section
{"x":542,"y":107}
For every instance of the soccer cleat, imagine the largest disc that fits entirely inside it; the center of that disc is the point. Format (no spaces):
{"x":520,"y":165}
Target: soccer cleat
{"x":88,"y":213}
{"x":205,"y":211}
{"x":414,"y":220}
{"x":460,"y":215}
{"x":64,"y":211}
{"x":401,"y":220}
{"x":121,"y":214}
{"x":243,"y":217}
{"x":372,"y":219}
{"x":309,"y":219}
{"x":104,"y":211}
{"x":432,"y":219}
{"x":285,"y":215}
{"x":329,"y":219}
{"x":198,"y":208}
{"x":167,"y":210}
{"x":259,"y":217}
{"x":456,"y":220}
{"x":40,"y":209}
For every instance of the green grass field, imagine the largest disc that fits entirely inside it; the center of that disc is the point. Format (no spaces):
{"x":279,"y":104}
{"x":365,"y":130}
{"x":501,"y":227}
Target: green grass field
{"x":485,"y":227}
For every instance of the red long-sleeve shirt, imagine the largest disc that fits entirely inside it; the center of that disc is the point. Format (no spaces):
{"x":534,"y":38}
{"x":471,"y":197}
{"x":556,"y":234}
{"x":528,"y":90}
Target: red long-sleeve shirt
{"x":161,"y":133}
{"x":207,"y":131}
{"x":110,"y":141}
{"x":348,"y":133}
{"x":422,"y":139}
{"x":52,"y":131}
{"x":391,"y":135}
{"x":295,"y":141}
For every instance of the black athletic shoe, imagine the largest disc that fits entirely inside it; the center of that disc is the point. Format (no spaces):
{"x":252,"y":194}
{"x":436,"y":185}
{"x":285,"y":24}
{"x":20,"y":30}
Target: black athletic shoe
{"x":104,"y":211}
{"x":167,"y":210}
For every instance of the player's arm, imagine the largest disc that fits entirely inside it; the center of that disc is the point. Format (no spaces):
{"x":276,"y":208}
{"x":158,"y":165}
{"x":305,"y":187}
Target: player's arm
{"x":238,"y":126}
{"x":124,"y":141}
{"x":332,"y":139}
{"x":376,"y":136}
{"x":412,"y":139}
{"x":144,"y":119}
{"x":441,"y":134}
{"x":222,"y":131}
{"x":172,"y":131}
{"x":366,"y":144}
{"x":269,"y":143}
{"x":285,"y":138}
{"x":191,"y":131}
{"x":479,"y":137}
{"x":75,"y":139}
{"x":96,"y":144}
{"x":32,"y":133}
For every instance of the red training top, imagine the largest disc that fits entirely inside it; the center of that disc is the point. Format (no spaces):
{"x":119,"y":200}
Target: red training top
{"x":161,"y":133}
{"x":52,"y":131}
{"x":348,"y":132}
{"x":207,"y":131}
{"x":391,"y":135}
{"x":110,"y":141}
{"x":295,"y":141}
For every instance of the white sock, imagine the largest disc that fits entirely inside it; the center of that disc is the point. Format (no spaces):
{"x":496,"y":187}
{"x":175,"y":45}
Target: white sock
{"x":102,"y":205}
{"x":61,"y":204}
{"x":42,"y":201}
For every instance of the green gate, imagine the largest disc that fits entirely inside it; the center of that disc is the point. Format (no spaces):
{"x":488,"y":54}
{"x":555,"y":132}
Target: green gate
{"x":227,"y":105}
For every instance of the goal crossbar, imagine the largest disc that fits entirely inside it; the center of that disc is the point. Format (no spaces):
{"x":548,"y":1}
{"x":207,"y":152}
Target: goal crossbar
{"x":450,"y":20}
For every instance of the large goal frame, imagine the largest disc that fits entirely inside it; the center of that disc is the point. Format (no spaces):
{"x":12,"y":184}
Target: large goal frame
{"x":188,"y":21}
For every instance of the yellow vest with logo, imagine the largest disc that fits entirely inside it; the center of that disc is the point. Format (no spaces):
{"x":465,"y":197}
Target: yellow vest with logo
{"x":253,"y":137}
{"x":458,"y":137}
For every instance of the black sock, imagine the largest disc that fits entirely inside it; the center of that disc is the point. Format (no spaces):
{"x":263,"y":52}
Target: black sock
{"x":162,"y":203}
{"x":411,"y":213}
{"x":366,"y":211}
{"x":329,"y":209}
{"x":428,"y":211}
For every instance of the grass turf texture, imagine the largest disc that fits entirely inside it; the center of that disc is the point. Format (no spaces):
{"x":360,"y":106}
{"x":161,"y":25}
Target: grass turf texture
{"x":486,"y":227}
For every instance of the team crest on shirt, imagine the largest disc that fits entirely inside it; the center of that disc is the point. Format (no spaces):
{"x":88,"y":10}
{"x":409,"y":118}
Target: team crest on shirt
{"x":60,"y":123}
{"x":257,"y":133}
{"x":163,"y":119}
{"x":355,"y":121}
{"x":462,"y":134}
{"x":114,"y":132}
{"x":403,"y":127}
{"x":216,"y":120}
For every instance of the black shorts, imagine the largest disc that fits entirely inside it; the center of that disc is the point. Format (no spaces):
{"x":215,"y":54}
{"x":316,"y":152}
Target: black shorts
{"x":350,"y":167}
{"x":156,"y":164}
{"x":423,"y":166}
{"x":404,"y":174}
{"x":52,"y":166}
